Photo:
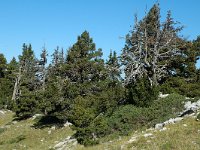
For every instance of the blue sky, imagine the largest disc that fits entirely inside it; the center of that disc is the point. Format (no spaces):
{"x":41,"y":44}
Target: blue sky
{"x":59,"y":22}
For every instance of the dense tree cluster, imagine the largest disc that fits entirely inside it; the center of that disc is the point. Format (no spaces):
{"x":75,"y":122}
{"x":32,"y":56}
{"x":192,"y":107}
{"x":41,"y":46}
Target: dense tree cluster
{"x":98,"y":96}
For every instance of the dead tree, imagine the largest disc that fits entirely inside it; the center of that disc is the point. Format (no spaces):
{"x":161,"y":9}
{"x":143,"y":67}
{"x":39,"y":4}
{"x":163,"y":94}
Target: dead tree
{"x":16,"y":90}
{"x":147,"y":55}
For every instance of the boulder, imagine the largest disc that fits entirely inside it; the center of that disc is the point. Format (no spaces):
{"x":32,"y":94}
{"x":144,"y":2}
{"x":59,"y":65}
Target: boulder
{"x":190,"y":108}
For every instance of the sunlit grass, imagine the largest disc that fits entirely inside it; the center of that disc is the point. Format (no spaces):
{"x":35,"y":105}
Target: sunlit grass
{"x":22,"y":135}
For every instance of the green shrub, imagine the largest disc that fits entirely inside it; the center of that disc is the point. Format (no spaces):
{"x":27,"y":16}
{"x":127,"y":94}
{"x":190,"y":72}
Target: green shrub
{"x":165,"y":108}
{"x":127,"y":118}
{"x":142,"y":94}
{"x":181,"y":86}
{"x":2,"y":130}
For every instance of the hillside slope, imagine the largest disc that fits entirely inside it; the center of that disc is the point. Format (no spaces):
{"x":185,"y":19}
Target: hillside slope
{"x":22,"y":135}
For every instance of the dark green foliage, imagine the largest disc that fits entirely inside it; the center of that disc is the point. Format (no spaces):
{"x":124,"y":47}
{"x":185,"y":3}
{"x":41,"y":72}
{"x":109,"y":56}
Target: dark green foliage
{"x":128,"y":118}
{"x":198,"y":117}
{"x":3,"y":62}
{"x":182,"y":86}
{"x":165,"y":108}
{"x":6,"y":88}
{"x":6,"y":81}
{"x":141,"y":94}
{"x":2,"y":130}
{"x":26,"y":104}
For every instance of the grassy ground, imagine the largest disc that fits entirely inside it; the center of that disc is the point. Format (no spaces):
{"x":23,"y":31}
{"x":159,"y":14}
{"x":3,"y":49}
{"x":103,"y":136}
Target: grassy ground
{"x":23,"y":136}
{"x":184,"y":135}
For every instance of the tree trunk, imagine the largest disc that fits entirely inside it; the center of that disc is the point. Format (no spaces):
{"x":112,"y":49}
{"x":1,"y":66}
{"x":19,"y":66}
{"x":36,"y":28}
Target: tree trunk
{"x":16,"y":87}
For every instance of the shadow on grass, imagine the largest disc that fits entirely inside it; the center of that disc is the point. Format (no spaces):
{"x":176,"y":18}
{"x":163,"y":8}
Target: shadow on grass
{"x":16,"y":118}
{"x":47,"y":121}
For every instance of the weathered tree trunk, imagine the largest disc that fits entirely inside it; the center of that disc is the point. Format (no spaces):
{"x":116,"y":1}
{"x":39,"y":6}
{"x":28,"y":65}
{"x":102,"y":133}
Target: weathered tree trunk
{"x":16,"y":87}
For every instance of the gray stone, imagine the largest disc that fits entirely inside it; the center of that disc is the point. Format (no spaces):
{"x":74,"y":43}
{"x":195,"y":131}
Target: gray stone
{"x":190,"y":108}
{"x":66,"y":143}
{"x":163,"y":129}
{"x":163,"y":95}
{"x":2,"y":112}
{"x":148,"y":134}
{"x":67,"y":124}
{"x":159,"y":126}
{"x":53,"y":127}
{"x":173,"y":120}
{"x":35,"y":116}
{"x":49,"y":132}
{"x":14,"y":122}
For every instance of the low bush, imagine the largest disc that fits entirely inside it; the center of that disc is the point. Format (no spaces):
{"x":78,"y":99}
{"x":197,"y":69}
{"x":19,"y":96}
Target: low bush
{"x":128,"y":118}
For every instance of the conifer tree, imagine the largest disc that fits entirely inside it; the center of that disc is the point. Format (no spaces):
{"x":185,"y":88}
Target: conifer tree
{"x":24,"y":92}
{"x":149,"y":47}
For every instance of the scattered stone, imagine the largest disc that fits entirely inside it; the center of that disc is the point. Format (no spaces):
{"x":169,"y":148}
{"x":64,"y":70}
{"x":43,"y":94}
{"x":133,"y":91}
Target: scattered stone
{"x":120,"y":138}
{"x":133,"y":139}
{"x":173,"y":120}
{"x":7,"y":126}
{"x":14,"y":122}
{"x":49,"y":132}
{"x":193,"y":142}
{"x":159,"y":126}
{"x":35,"y":116}
{"x":122,"y":146}
{"x":148,"y":134}
{"x":53,"y":127}
{"x":42,"y":140}
{"x":67,"y":124}
{"x":150,"y":129}
{"x":163,"y":95}
{"x":163,"y":129}
{"x":66,"y":144}
{"x":2,"y":112}
{"x":185,"y":125}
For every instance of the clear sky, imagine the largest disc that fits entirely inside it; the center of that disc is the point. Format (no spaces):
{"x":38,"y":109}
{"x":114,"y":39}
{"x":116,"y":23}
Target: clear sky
{"x":59,"y":22}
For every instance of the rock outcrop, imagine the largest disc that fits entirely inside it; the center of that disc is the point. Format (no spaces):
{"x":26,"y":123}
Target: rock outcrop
{"x":189,"y":109}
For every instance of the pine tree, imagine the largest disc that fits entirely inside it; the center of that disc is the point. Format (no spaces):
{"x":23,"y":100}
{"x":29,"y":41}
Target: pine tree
{"x":24,"y":94}
{"x":4,"y":86}
{"x":113,"y":67}
{"x":3,"y":63}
